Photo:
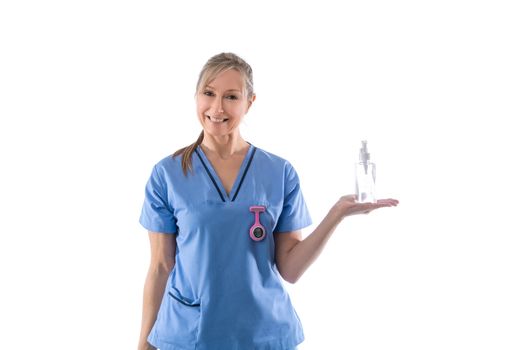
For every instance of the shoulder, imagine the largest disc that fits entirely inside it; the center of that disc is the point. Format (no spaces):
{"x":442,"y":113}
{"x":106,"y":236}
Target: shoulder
{"x":168,"y":166}
{"x":271,"y":157}
{"x":273,"y":160}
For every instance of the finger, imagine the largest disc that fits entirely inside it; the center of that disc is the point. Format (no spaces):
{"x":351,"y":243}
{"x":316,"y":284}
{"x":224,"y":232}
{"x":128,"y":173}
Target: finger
{"x":380,"y":205}
{"x":384,"y":205}
{"x":389,"y":202}
{"x":352,"y":197}
{"x":348,"y":197}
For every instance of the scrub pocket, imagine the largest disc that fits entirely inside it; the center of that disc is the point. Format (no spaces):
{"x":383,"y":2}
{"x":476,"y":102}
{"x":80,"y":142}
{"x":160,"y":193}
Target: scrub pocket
{"x":179,"y":319}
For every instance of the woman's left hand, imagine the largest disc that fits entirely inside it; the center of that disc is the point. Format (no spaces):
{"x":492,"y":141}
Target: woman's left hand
{"x":347,"y":205}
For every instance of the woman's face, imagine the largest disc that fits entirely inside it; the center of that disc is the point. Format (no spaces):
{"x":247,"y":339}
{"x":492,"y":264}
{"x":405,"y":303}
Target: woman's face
{"x":222,"y":104}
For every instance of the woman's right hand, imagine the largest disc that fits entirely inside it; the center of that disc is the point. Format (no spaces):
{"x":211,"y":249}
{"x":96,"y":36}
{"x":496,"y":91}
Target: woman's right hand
{"x":163,"y":251}
{"x":146,"y":346}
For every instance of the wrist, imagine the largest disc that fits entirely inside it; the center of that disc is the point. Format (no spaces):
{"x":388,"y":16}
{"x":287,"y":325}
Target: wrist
{"x":144,"y":345}
{"x":336,"y":213}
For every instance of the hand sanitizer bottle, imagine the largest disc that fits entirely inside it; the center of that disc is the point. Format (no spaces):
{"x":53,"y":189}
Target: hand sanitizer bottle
{"x":365,"y":177}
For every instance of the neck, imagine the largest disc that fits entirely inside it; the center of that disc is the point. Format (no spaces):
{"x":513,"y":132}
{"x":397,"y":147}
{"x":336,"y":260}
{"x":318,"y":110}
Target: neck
{"x":225,"y":146}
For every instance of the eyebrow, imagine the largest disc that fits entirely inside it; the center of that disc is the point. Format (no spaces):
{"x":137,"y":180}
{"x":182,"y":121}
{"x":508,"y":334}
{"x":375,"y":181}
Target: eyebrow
{"x":211,"y":87}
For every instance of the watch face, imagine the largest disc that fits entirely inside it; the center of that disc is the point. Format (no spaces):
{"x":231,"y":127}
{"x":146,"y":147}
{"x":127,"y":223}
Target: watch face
{"x":258,"y":232}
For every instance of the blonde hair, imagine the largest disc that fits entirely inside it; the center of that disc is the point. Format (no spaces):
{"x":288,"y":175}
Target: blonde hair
{"x":212,"y":68}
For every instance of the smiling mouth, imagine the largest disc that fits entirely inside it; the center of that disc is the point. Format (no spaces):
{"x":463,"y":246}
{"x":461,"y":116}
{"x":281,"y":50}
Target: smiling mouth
{"x":217,"y":120}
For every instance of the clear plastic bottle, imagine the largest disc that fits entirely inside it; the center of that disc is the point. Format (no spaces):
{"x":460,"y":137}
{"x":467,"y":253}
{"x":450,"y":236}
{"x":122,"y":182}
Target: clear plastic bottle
{"x":365,"y":177}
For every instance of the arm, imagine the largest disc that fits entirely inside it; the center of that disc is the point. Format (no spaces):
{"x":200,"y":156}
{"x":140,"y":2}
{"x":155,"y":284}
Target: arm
{"x":163,"y":250}
{"x":294,"y":255}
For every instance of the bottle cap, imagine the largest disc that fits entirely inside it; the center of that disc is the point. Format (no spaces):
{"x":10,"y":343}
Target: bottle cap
{"x":364,"y":155}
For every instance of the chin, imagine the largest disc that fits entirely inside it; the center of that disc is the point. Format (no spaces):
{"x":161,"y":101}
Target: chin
{"x":218,"y":133}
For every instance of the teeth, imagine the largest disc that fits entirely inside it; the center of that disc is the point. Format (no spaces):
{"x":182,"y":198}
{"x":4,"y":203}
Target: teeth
{"x":216,"y":120}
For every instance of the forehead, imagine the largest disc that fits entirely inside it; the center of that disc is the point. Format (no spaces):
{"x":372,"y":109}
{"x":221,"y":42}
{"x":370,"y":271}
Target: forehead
{"x":228,"y":80}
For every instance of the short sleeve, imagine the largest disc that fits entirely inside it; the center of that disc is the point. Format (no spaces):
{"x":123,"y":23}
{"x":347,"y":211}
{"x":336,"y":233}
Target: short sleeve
{"x":157,"y":215}
{"x":294,"y":215}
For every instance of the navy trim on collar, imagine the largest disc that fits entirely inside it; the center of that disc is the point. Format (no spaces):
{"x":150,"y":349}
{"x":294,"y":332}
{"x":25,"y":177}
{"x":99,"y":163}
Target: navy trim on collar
{"x":211,"y":176}
{"x":245,"y":172}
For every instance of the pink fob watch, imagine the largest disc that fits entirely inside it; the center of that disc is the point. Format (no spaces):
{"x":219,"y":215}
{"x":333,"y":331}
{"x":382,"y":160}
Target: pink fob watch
{"x":257,"y":231}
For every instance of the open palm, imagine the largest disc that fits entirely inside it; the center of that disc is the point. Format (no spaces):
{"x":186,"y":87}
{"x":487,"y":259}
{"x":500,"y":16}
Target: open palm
{"x":347,"y":205}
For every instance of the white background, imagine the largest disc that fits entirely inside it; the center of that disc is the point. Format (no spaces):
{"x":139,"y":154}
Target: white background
{"x":94,"y":93}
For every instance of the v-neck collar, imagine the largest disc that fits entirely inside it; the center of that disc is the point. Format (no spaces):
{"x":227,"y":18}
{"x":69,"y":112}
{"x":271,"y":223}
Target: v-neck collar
{"x":210,"y":170}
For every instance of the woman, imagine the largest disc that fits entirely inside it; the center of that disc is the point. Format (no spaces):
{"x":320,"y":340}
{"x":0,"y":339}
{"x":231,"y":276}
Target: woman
{"x":224,"y":220}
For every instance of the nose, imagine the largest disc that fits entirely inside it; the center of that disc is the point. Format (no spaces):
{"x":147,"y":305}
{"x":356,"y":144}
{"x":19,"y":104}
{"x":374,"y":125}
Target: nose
{"x":216,"y":107}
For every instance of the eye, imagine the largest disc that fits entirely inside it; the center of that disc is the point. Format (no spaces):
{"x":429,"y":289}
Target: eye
{"x":208,"y":93}
{"x":232,"y":97}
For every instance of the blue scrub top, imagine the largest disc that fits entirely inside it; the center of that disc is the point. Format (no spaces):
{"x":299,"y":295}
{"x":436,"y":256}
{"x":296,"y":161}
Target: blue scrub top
{"x":225,"y":291}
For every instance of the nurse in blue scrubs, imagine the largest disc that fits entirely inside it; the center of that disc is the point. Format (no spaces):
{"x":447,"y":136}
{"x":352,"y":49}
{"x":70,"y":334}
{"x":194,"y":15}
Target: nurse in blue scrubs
{"x":224,"y":220}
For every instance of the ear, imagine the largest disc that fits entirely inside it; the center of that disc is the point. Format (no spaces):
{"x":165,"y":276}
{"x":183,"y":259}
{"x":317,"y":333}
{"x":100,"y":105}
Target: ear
{"x":250,"y":101}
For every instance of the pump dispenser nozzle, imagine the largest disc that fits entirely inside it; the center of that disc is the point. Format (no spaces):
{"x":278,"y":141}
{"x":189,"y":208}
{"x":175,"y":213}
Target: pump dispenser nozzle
{"x":365,"y":172}
{"x":364,"y":155}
